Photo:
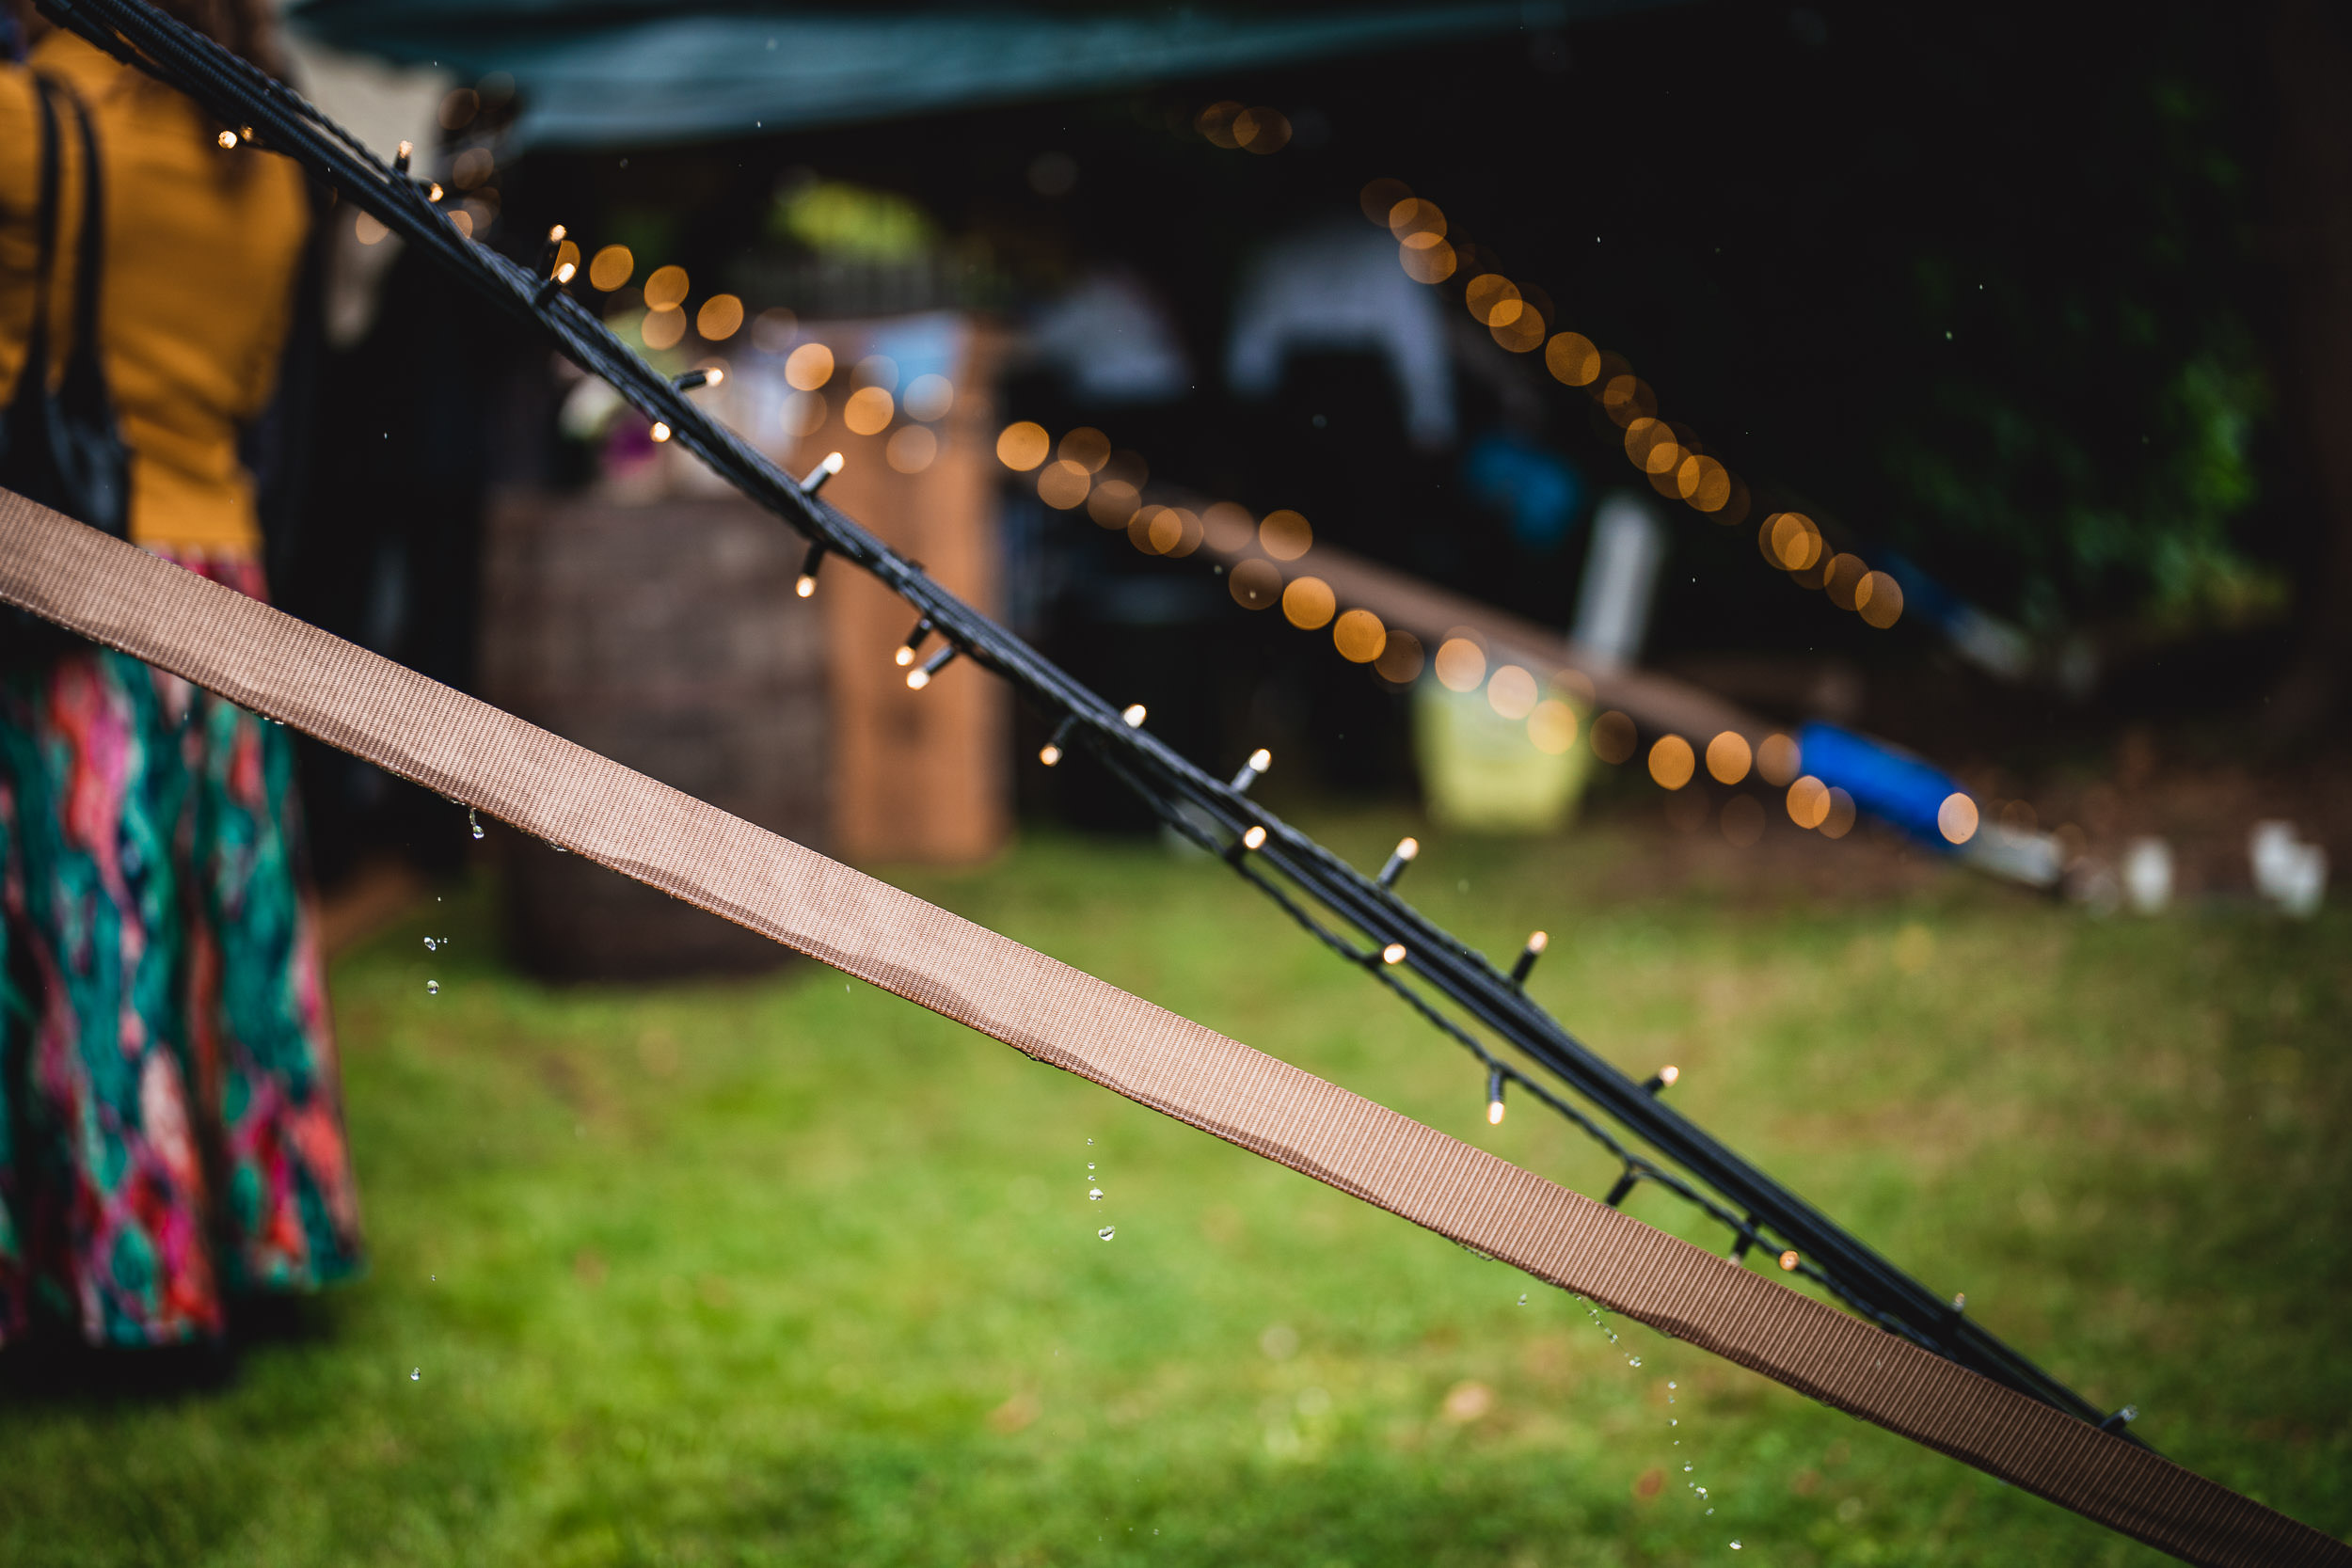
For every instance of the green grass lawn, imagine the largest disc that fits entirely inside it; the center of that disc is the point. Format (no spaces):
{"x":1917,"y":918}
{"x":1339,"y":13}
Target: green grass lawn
{"x":793,"y":1272}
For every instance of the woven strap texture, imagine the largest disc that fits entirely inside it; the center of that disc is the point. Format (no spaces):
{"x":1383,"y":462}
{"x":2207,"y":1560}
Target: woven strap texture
{"x":117,"y":594}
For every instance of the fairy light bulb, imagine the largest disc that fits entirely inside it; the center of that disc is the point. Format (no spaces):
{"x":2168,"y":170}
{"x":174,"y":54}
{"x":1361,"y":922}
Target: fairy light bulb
{"x":1134,"y":716}
{"x":1254,"y":838}
{"x":1050,"y":754}
{"x":1494,"y":1097}
{"x":1392,"y":954}
{"x":661,"y":431}
{"x":1788,"y":1259}
{"x":918,"y":679}
{"x":804,"y":585}
{"x":228,"y":140}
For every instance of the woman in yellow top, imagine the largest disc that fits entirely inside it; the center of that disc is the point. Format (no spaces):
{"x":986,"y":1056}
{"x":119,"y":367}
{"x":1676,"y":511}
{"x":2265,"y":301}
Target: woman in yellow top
{"x":171,"y":1122}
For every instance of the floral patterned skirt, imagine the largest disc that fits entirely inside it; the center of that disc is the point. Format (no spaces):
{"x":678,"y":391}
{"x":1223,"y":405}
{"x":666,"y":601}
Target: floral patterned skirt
{"x":170,"y":1111}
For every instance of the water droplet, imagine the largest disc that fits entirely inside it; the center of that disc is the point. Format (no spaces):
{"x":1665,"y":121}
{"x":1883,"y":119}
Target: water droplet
{"x":1095,"y":1193}
{"x":475,"y":822}
{"x":415,"y":1374}
{"x":1673,"y":1385}
{"x":1632,"y":1360}
{"x":430,"y":945}
{"x":1734,"y":1545}
{"x":1686,"y":1469}
{"x":1089,"y":1143}
{"x":433,"y":987}
{"x":1107,"y":1231}
{"x":1522,"y":1298}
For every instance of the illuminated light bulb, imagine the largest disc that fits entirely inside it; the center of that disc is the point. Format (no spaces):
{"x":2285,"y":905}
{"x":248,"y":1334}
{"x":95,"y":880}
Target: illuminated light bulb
{"x":1134,"y":716}
{"x":718,"y":372}
{"x":1536,"y":943}
{"x":1399,"y":858}
{"x":1668,"y":1073}
{"x":805,"y":585}
{"x":564,"y":274}
{"x":1392,"y":954}
{"x":1494,"y":1097}
{"x":918,"y":679}
{"x":1494,"y":1113}
{"x":661,"y":431}
{"x":228,"y":140}
{"x":432,"y":190}
{"x":1789,"y":1258}
{"x":1661,"y":1080}
{"x":555,"y":235}
{"x":1254,"y":838}
{"x":401,"y":157}
{"x":904,"y":657}
{"x":1049,"y":754}
{"x":1260,"y":759}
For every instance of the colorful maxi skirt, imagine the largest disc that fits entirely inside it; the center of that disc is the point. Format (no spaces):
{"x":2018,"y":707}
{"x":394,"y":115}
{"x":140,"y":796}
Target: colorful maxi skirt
{"x":170,"y":1111}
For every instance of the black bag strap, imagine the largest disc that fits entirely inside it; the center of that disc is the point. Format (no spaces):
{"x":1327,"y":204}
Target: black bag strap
{"x":85,"y":387}
{"x":33,"y":380}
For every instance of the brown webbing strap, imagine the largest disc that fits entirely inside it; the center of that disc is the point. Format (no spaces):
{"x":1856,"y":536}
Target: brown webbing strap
{"x":118,"y":594}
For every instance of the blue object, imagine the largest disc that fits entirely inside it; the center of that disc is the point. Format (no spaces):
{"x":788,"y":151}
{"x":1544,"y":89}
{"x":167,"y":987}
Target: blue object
{"x":607,"y":74}
{"x":1885,"y":780}
{"x":1535,"y":489}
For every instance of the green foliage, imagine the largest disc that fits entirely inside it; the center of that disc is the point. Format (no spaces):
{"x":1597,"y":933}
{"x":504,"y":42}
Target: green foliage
{"x":793,"y":1272}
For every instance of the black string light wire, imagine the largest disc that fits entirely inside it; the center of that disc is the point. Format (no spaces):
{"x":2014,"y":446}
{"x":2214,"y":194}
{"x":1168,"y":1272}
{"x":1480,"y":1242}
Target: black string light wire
{"x":1390,"y":940}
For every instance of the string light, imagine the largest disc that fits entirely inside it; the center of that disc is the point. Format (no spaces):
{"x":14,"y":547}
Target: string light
{"x":806,"y":584}
{"x":1134,"y":716}
{"x":1399,"y":858}
{"x":905,"y":656}
{"x":704,"y":375}
{"x":1870,"y":1285}
{"x":1788,"y":1259}
{"x":401,"y":157}
{"x":1252,"y":770}
{"x":1255,"y":838}
{"x":920,"y":676}
{"x":1494,"y":1095}
{"x":661,"y":431}
{"x":1663,"y":1079}
{"x":1056,"y":745}
{"x":1536,"y":943}
{"x":823,"y":471}
{"x":228,"y":139}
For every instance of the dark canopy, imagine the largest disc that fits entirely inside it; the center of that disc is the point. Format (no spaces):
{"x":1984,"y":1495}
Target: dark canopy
{"x":597,"y":74}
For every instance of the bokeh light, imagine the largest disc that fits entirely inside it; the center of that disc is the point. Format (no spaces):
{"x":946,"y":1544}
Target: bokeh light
{"x":719,"y":318}
{"x":867,"y":412}
{"x":1790,"y":541}
{"x":803,"y":414}
{"x":1022,"y":446}
{"x":1552,"y":727}
{"x":1063,"y":484}
{"x":874,"y":370}
{"x":1114,"y":503}
{"x":1308,"y":602}
{"x":1728,"y":757}
{"x":1401,"y":659}
{"x":1743,"y":820}
{"x":929,"y":397}
{"x":1379,"y":197}
{"x":1426,"y":259}
{"x":1485,"y":293}
{"x":1808,"y":801}
{"x":1461,"y":664}
{"x":369,"y":231}
{"x":1777,"y":759}
{"x":774,"y":329}
{"x":1360,"y":636}
{"x":1228,"y":528}
{"x":1652,"y":446}
{"x":1262,"y":129}
{"x":663,"y":328}
{"x":1215,"y":123}
{"x":1672,"y":761}
{"x":1086,"y":447}
{"x":1845,"y":574}
{"x":1571,"y":358}
{"x":1255,"y":584}
{"x":1413,"y":215}
{"x":1285,"y":535}
{"x":1627,"y":398}
{"x":1518,"y":327}
{"x":810,"y":366}
{"x":1840,"y":819}
{"x":1704,"y":483}
{"x":1511,"y":691}
{"x":1956,"y":818}
{"x":1879,"y":598}
{"x":1613,"y":737}
{"x":667,"y":289}
{"x":912,"y":450}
